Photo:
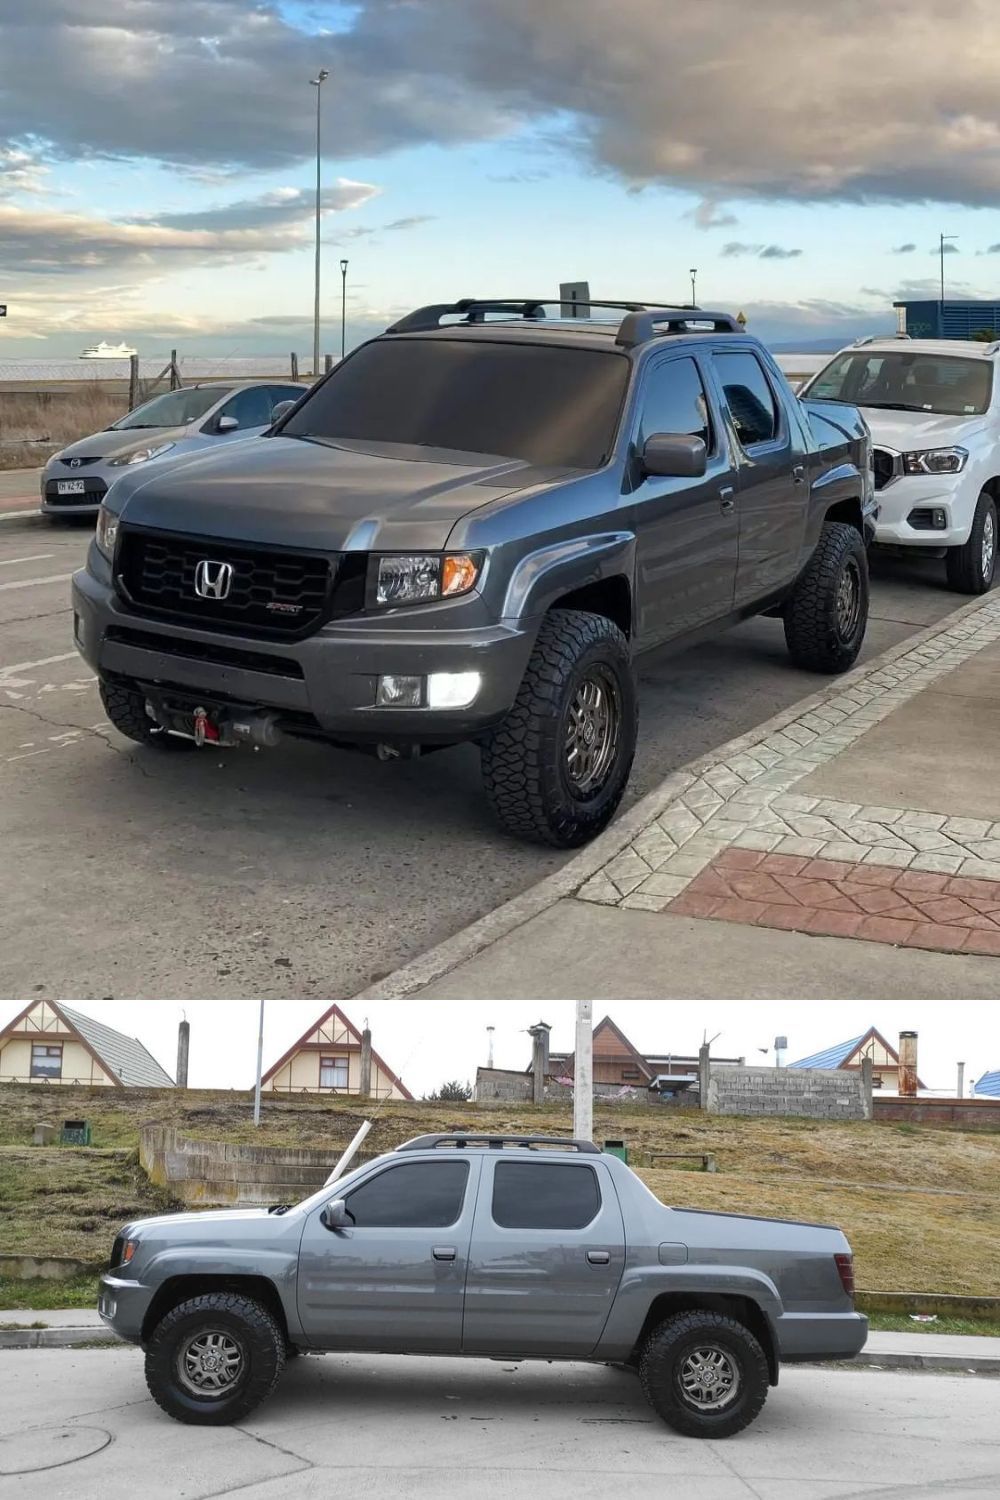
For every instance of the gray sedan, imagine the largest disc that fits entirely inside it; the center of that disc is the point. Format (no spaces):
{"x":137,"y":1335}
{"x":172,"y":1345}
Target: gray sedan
{"x":75,"y":480}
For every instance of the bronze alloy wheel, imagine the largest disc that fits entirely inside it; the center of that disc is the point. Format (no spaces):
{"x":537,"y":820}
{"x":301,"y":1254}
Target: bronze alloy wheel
{"x":593,"y":727}
{"x":849,"y":600}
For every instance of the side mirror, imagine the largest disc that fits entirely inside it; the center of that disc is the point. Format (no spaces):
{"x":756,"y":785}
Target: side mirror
{"x":281,"y":410}
{"x":226,"y":424}
{"x":335,"y":1215}
{"x":673,"y":456}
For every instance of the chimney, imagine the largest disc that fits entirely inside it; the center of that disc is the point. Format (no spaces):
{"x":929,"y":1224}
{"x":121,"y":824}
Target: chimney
{"x":908,"y":1064}
{"x":539,"y":1034}
{"x":780,"y":1051}
{"x":366,"y":1063}
{"x":960,"y":1091}
{"x":183,"y":1047}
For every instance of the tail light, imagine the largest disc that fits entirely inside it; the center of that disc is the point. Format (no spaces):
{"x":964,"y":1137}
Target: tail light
{"x":845,"y":1270}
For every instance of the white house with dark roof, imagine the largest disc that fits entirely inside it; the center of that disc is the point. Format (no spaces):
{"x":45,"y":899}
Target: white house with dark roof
{"x":51,"y":1043}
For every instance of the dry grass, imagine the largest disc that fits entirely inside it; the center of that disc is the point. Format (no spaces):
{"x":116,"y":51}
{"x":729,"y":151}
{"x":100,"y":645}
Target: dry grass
{"x":921,"y":1205}
{"x":35,"y":423}
{"x":71,"y":1202}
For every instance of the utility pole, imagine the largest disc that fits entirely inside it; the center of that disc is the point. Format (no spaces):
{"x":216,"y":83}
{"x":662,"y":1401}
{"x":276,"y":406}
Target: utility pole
{"x":343,"y":307}
{"x":489,"y":1056}
{"x":945,"y":239}
{"x":583,"y":1072}
{"x":694,"y":278}
{"x":260,"y":1064}
{"x":317,"y":83}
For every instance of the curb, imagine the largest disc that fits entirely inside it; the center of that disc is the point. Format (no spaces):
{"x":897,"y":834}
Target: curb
{"x":504,"y":919}
{"x":56,"y":1338}
{"x":971,"y":1364}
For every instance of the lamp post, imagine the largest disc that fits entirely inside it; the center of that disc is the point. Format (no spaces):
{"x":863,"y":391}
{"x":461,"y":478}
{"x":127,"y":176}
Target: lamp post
{"x":317,"y":83}
{"x":343,"y":307}
{"x":945,"y":239}
{"x":694,"y":278}
{"x":260,"y":1063}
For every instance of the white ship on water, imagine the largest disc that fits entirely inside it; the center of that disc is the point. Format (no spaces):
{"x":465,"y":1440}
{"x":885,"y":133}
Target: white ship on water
{"x":107,"y":351}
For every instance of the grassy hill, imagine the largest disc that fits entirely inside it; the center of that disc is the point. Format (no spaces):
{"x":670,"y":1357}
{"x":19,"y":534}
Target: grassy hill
{"x":920,"y":1205}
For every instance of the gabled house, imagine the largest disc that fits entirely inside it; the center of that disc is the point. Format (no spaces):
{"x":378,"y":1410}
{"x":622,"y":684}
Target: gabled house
{"x":326,"y":1059}
{"x":51,"y":1043}
{"x":617,"y":1061}
{"x":987,"y":1087}
{"x":847,"y":1055}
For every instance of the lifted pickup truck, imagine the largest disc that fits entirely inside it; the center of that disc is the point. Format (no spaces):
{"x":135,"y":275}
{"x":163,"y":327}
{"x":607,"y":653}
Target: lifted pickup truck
{"x":468,"y":531}
{"x":514,"y":1247}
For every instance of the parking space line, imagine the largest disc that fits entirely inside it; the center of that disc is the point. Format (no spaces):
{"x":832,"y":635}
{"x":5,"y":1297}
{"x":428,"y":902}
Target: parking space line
{"x":28,"y":666}
{"x":30,"y":583}
{"x":23,"y":513}
{"x":8,"y":562}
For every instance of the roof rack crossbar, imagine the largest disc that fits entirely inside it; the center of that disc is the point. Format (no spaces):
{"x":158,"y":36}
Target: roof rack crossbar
{"x":641,"y":326}
{"x":460,"y":1139}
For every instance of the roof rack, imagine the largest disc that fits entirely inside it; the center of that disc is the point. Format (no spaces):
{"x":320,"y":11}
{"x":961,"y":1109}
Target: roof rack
{"x":460,"y":1140}
{"x":643,"y":320}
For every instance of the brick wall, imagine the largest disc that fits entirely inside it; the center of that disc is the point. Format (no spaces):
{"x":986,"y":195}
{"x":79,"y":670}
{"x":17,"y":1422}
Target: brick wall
{"x":815,"y":1093}
{"x":964,"y":1114}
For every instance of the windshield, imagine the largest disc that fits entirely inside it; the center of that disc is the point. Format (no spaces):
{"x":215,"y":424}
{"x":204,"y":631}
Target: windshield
{"x":547,"y":406}
{"x":907,"y":381}
{"x":175,"y":408}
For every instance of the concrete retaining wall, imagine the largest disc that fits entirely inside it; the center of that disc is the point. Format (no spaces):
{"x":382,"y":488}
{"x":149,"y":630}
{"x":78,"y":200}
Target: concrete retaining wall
{"x":200,"y":1173}
{"x":47,"y":1267}
{"x":814,"y":1093}
{"x":966,"y":1114}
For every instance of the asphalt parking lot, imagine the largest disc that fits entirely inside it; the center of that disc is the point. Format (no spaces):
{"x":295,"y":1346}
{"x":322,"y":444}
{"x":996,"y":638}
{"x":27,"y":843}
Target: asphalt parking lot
{"x":79,"y":1423}
{"x":301,"y":870}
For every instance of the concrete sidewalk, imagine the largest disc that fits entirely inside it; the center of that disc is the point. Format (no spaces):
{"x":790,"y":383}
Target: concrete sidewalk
{"x":850,"y":848}
{"x":68,"y":1328}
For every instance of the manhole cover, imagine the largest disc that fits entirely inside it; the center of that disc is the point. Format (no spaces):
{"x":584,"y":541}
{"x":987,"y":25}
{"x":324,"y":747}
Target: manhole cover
{"x":49,"y":1448}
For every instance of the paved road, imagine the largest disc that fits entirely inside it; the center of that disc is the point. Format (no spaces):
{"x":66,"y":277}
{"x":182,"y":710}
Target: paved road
{"x":304,"y":870}
{"x":448,"y":1429}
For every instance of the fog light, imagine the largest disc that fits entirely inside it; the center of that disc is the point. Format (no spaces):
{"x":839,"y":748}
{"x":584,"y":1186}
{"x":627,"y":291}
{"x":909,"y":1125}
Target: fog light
{"x":452,"y":689}
{"x":399,"y":692}
{"x":77,"y":629}
{"x":939,"y":519}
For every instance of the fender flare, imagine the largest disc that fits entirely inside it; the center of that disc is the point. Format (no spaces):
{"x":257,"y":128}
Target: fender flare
{"x":545,"y":575}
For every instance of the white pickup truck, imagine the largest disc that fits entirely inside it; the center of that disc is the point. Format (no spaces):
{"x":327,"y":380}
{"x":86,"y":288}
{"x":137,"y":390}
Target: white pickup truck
{"x":933,"y":406}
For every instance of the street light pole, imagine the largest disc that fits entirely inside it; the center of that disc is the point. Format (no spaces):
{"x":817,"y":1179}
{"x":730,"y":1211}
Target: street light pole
{"x":260,"y":1064}
{"x":317,"y":84}
{"x":945,"y":239}
{"x":343,"y":307}
{"x":694,"y":278}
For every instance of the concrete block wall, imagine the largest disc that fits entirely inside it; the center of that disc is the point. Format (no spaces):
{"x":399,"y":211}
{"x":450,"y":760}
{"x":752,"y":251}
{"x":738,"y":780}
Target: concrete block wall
{"x":814,"y":1093}
{"x":202,"y":1173}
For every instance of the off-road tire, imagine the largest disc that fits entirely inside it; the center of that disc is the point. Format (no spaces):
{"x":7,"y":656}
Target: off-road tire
{"x":523,"y":761}
{"x":816,"y":637}
{"x":964,"y":565}
{"x":253,"y":1327}
{"x":126,"y":708}
{"x":662,"y":1358}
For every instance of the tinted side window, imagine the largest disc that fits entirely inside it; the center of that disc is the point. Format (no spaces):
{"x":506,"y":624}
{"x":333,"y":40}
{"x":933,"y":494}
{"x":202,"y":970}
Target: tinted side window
{"x":674,"y":401}
{"x":251,"y":408}
{"x":414,"y":1195}
{"x":749,"y":398}
{"x":544,"y":1195}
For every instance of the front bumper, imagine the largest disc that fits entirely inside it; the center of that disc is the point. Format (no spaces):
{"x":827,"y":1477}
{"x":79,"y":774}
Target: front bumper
{"x":122,"y":1305}
{"x":325,"y":684}
{"x":95,"y":477}
{"x":808,"y":1337}
{"x":899,"y":499}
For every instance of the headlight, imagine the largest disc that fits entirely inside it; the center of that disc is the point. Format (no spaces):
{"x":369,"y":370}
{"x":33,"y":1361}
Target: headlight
{"x":935,"y":461}
{"x":402,"y":578}
{"x":141,"y":455}
{"x":106,"y":534}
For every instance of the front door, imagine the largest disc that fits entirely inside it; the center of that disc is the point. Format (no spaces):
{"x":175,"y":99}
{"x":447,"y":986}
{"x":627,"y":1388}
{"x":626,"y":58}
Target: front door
{"x":687,"y":530}
{"x":548,"y":1254}
{"x":393,"y":1280}
{"x":772,"y":475}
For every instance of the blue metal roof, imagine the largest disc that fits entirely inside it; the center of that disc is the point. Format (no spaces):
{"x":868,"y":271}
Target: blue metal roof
{"x":988,"y":1086}
{"x":831,"y":1057}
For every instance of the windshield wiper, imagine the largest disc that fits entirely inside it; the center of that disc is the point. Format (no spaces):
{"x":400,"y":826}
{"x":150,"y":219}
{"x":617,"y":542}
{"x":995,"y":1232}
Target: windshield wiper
{"x":890,"y":406}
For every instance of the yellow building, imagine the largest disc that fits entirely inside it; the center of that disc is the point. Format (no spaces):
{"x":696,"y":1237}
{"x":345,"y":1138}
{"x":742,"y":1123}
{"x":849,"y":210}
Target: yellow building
{"x":49,"y":1043}
{"x":326,"y":1059}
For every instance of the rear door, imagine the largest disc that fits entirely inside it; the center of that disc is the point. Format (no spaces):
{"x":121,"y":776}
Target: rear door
{"x":772,"y":473}
{"x":394,"y":1279}
{"x":547,"y":1255}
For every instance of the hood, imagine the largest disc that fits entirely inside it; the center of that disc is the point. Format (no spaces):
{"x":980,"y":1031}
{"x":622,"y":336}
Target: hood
{"x":114,"y":444}
{"x":908,"y":430}
{"x":211,"y":1224}
{"x":295,"y":492}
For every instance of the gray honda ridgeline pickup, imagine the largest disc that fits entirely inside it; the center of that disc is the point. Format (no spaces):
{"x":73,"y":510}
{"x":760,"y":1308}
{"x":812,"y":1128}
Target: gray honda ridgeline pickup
{"x":467,"y":531}
{"x":513,"y":1247}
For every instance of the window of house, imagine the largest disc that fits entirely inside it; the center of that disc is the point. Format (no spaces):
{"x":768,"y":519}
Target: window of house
{"x":749,"y":398}
{"x":631,"y":1073}
{"x":544,"y":1195}
{"x":46,"y":1062}
{"x":413,"y":1195}
{"x":333,"y":1072}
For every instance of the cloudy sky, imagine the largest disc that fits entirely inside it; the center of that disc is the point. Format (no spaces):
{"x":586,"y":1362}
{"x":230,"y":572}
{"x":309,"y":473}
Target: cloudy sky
{"x":156,"y":160}
{"x":427,"y":1042}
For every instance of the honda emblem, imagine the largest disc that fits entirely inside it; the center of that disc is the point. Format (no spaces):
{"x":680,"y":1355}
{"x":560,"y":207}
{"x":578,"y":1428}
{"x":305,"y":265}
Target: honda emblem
{"x":213,"y":580}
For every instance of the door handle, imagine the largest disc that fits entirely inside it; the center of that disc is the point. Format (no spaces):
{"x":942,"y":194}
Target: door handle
{"x":799,"y":473}
{"x":727,"y":499}
{"x":443,"y":1252}
{"x":599,"y":1257}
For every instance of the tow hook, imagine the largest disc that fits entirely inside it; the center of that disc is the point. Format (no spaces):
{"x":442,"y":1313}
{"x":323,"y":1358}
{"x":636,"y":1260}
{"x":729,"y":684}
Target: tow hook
{"x":205,"y":732}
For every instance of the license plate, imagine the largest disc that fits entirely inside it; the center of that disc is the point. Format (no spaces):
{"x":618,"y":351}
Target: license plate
{"x":70,"y":487}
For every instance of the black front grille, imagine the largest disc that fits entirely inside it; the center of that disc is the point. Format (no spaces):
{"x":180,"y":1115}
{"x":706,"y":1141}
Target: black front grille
{"x":117,"y":1251}
{"x":885,"y":467}
{"x":223,"y":656}
{"x":271,"y":591}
